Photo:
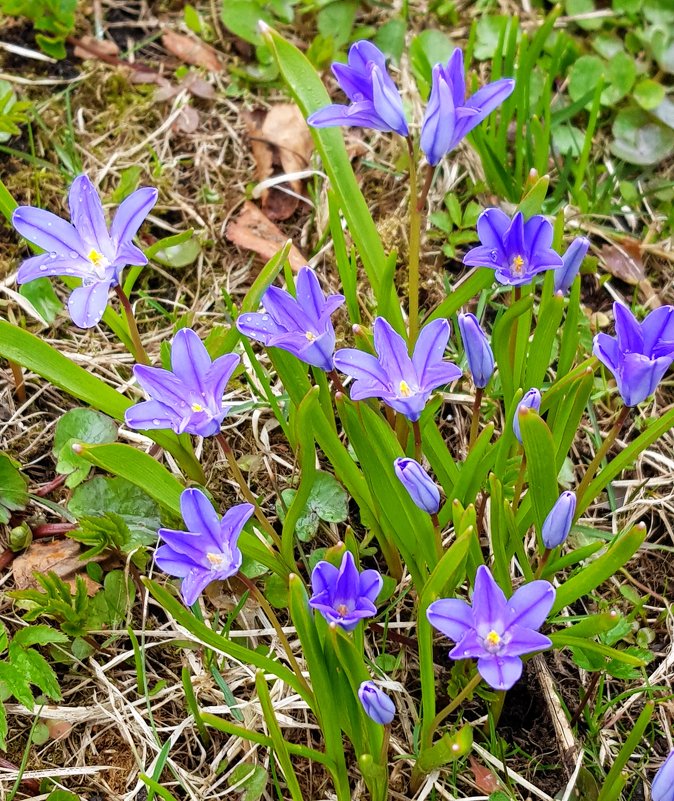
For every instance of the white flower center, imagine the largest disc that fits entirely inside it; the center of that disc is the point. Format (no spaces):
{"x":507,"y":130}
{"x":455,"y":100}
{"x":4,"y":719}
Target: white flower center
{"x":216,"y":559}
{"x":404,"y":389}
{"x":493,"y":642}
{"x":517,"y":265}
{"x":99,"y":262}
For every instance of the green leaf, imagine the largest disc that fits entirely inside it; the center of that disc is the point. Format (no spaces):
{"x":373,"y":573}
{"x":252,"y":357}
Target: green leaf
{"x":241,"y":18}
{"x":249,"y":780}
{"x":649,"y":94}
{"x":13,"y":488}
{"x":327,"y":501}
{"x":40,"y":293}
{"x":641,"y":139}
{"x":37,"y":635}
{"x":585,"y":72}
{"x":390,"y":38}
{"x":80,"y":425}
{"x":178,"y":255}
{"x":37,"y":670}
{"x":539,"y":448}
{"x":621,"y":73}
{"x":430,"y":47}
{"x":336,"y":19}
{"x":104,"y":495}
{"x":489,"y":30}
{"x":119,"y":593}
{"x":16,"y":682}
{"x":578,"y":7}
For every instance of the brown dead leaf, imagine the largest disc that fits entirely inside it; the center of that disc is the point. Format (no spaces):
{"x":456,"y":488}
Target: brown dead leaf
{"x":58,"y":556}
{"x":485,"y":780}
{"x":187,"y":121}
{"x":89,"y":47}
{"x":624,"y":261}
{"x":281,"y":143}
{"x":252,"y":230}
{"x":191,"y":50}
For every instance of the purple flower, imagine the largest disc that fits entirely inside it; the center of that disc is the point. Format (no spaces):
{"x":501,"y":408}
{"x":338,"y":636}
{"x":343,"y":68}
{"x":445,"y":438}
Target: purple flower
{"x":662,"y":788}
{"x":344,"y":596}
{"x":571,"y":261}
{"x":84,"y":248}
{"x":301,"y":325}
{"x":376,"y":703}
{"x":495,"y":630}
{"x":208,"y":550}
{"x":478,"y":351}
{"x":375,"y":100}
{"x":531,"y":400}
{"x":516,"y":250}
{"x":420,"y":486}
{"x":449,"y":116}
{"x":558,"y":523}
{"x":640,"y":354}
{"x":403,"y":383}
{"x":190,"y":396}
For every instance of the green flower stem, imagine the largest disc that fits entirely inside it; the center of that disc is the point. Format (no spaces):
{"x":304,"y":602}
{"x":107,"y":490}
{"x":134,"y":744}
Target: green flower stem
{"x":519,"y":484}
{"x":428,"y":180}
{"x":245,"y":490}
{"x":603,"y":450}
{"x":414,"y":248}
{"x":475,"y":419}
{"x":542,"y":562}
{"x":138,"y":349}
{"x":444,"y":713}
{"x":266,"y":606}
{"x":418,"y":451}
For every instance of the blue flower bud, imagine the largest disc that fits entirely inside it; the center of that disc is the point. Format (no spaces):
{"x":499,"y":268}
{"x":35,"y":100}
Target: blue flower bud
{"x":478,"y":352}
{"x":662,"y":788}
{"x":571,"y":262}
{"x":419,"y":484}
{"x":376,"y":703}
{"x":531,"y":400}
{"x":558,"y":523}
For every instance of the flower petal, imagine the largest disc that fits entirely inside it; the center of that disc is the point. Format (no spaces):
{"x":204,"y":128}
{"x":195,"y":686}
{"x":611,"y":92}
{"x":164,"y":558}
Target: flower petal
{"x":361,"y":366}
{"x":286,"y":311}
{"x":86,"y":213}
{"x":172,"y":562}
{"x":257,"y":326}
{"x":348,"y":583}
{"x":164,"y":386}
{"x":492,"y":225}
{"x":628,"y":330}
{"x":151,"y":414}
{"x":392,"y":353}
{"x":199,"y":515}
{"x":132,"y":213}
{"x":355,"y":82}
{"x":489,"y":602}
{"x":189,"y":544}
{"x":452,"y":616}
{"x":194,"y":584}
{"x":48,"y":231}
{"x":525,"y":641}
{"x":484,"y":101}
{"x":500,"y":672}
{"x":530,"y":605}
{"x":483,"y":256}
{"x":86,"y":304}
{"x":387,"y":101}
{"x":605,"y":348}
{"x":538,"y":236}
{"x":219,"y":373}
{"x":324,"y":578}
{"x":46,"y":265}
{"x":370,"y":583}
{"x":657,"y":331}
{"x":437,"y":129}
{"x":190,"y":360}
{"x":232,"y":523}
{"x":430,"y":346}
{"x":309,"y":293}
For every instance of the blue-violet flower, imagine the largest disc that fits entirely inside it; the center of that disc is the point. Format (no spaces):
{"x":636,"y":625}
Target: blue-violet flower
{"x":403,"y":383}
{"x":640,"y":353}
{"x":301,"y":324}
{"x":571,"y":261}
{"x":495,"y":630}
{"x":662,"y":788}
{"x":420,"y":486}
{"x":557,"y":524}
{"x":376,"y":703}
{"x":84,"y":248}
{"x":189,"y":397}
{"x":530,"y":400}
{"x":515,"y":249}
{"x":343,"y":595}
{"x":208,"y":550}
{"x":449,"y":116}
{"x":375,"y":100}
{"x":478,"y":351}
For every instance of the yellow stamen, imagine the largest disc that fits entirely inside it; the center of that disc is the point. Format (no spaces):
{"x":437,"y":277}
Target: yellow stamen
{"x":197,"y":407}
{"x":216,"y":559}
{"x":95,"y":258}
{"x":342,"y":609}
{"x":518,"y":265}
{"x":492,"y":640}
{"x":311,"y":337}
{"x":404,"y":389}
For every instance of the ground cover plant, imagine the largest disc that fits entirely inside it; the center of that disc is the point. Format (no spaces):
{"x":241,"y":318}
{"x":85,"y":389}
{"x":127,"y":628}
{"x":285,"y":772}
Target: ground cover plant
{"x":336,"y":343}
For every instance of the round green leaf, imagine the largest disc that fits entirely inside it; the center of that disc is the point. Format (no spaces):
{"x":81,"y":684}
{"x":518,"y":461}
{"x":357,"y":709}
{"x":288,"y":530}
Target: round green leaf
{"x":585,"y":74}
{"x":641,"y":139}
{"x":649,"y":94}
{"x":80,"y":425}
{"x":13,"y":493}
{"x":102,"y":495}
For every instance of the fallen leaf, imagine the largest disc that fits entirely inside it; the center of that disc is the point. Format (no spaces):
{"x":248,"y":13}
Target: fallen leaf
{"x":485,"y":780}
{"x":281,"y":144}
{"x":58,"y":556}
{"x":89,"y":47}
{"x":191,"y":50}
{"x":624,"y":261}
{"x":187,"y":121}
{"x":252,"y":230}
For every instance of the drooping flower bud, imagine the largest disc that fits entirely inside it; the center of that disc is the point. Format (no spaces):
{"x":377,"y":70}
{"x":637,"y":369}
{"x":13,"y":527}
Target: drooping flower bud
{"x":662,"y":788}
{"x":571,"y":262}
{"x":376,"y":703}
{"x":531,"y":400}
{"x":478,"y":351}
{"x":419,"y":484}
{"x":558,"y":523}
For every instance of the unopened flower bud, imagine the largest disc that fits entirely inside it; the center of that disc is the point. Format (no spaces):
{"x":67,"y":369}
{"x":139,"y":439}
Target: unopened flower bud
{"x":558,"y":523}
{"x":421,"y":487}
{"x":571,"y":262}
{"x":478,"y":351}
{"x":531,"y":400}
{"x":376,"y":703}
